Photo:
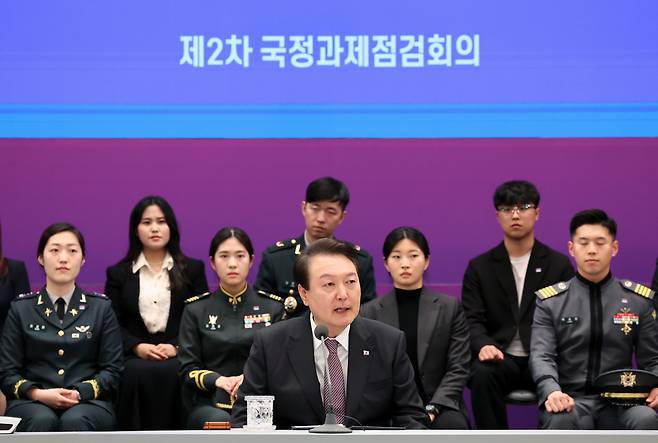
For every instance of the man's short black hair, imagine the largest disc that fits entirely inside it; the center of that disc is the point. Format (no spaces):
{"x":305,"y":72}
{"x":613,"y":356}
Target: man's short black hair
{"x":516,"y":192}
{"x":593,"y":217}
{"x":328,"y":189}
{"x":324,"y":246}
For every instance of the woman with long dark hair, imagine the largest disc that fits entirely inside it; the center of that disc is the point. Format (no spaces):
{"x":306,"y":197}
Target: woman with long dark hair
{"x":61,"y":353}
{"x":13,"y":281}
{"x":217,"y":330}
{"x":434,"y":324}
{"x":148,"y":288}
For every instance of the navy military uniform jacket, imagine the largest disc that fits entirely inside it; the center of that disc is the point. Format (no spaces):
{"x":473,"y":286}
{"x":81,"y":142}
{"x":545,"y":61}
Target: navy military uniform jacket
{"x":83,"y":352}
{"x":275,"y":275}
{"x":215,"y":339}
{"x":582,"y":329}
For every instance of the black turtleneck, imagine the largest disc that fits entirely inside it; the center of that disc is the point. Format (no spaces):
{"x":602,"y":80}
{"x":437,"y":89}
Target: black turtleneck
{"x":408,"y":301}
{"x":596,"y":331}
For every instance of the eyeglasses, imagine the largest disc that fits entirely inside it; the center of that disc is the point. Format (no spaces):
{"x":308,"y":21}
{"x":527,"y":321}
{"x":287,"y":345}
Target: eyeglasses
{"x":521,"y":209}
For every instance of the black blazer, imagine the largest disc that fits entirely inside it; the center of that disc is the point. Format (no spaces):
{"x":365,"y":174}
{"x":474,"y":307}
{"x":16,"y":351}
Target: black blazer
{"x":11,"y":285}
{"x":380,"y":380}
{"x":122,"y":287}
{"x":443,"y":343}
{"x":490,"y":299}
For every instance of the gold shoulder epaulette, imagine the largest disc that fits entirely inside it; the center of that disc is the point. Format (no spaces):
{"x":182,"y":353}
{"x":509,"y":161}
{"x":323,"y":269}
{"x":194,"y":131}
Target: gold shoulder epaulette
{"x":270,"y":296}
{"x":553,"y":290}
{"x":196,"y":297}
{"x":638,"y":289}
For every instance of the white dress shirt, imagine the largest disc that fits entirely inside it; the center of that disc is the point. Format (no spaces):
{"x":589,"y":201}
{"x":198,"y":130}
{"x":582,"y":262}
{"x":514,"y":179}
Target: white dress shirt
{"x":154,"y":292}
{"x":320,"y":353}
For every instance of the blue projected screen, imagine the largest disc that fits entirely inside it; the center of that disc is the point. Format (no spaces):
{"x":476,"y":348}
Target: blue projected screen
{"x":205,"y":68}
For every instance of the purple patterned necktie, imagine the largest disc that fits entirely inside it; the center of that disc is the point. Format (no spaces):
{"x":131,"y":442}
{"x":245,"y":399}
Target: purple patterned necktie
{"x":337,"y":382}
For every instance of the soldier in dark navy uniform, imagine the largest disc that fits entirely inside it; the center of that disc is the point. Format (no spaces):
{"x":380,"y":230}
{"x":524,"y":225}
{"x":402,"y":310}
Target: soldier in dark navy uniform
{"x":323,"y":209}
{"x":61,"y":352}
{"x":590,"y":325}
{"x":217,"y":330}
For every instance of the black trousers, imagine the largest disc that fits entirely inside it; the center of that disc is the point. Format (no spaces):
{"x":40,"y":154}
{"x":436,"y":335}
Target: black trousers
{"x":450,"y":419}
{"x":490,"y":382}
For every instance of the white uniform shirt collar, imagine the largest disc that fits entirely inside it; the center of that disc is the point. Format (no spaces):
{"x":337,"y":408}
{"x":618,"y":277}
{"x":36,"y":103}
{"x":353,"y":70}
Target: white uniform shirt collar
{"x":141,"y":261}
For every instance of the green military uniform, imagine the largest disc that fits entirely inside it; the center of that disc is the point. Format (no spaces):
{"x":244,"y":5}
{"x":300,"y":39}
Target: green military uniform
{"x":275,"y":275}
{"x":215,"y":338}
{"x":582,"y":329}
{"x":82,"y":352}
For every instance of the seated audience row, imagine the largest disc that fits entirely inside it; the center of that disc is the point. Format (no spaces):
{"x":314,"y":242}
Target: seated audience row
{"x":201,"y":343}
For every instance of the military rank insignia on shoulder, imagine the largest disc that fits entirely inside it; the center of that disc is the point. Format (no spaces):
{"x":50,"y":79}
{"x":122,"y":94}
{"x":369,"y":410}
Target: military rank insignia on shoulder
{"x":638,"y":289}
{"x":283,"y":245}
{"x":27,"y":295}
{"x":95,"y":294}
{"x":270,"y":296}
{"x":553,"y":290}
{"x":196,"y":297}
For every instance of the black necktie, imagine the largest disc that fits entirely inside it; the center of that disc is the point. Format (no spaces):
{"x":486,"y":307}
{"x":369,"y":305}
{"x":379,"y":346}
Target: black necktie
{"x":60,"y":304}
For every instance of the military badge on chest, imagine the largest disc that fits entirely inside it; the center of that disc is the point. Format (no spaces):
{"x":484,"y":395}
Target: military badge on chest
{"x":212,"y":324}
{"x":627,"y":319}
{"x":82,"y":331}
{"x":261,"y":319}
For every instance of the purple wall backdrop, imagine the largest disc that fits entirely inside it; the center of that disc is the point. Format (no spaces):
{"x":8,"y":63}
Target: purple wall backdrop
{"x":443,"y":187}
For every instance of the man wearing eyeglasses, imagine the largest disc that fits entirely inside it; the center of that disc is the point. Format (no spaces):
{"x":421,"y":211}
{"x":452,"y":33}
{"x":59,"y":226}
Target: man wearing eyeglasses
{"x":499,"y":302}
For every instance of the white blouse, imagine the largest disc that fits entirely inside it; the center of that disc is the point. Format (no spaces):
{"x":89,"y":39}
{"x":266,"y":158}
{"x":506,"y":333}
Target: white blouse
{"x":154,"y":293}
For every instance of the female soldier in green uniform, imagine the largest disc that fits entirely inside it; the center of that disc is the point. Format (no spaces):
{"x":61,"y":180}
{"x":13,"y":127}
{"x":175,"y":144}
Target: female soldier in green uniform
{"x":217,"y":330}
{"x":61,"y":353}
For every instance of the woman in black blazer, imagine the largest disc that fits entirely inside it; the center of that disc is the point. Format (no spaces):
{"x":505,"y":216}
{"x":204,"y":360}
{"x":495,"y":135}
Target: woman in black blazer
{"x":13,"y":281}
{"x":148,"y":288}
{"x":434,"y":324}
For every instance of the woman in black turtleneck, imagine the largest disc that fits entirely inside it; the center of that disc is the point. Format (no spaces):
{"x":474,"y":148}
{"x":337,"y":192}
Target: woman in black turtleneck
{"x":434,"y":324}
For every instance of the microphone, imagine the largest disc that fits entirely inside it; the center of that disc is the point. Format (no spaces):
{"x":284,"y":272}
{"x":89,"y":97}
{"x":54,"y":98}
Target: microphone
{"x":321,"y":332}
{"x":330,"y":425}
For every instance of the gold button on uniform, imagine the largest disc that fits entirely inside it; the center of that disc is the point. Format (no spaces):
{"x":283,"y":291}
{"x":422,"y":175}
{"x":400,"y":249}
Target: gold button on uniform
{"x":60,"y":352}
{"x":61,"y":333}
{"x":292,"y":291}
{"x":60,"y":372}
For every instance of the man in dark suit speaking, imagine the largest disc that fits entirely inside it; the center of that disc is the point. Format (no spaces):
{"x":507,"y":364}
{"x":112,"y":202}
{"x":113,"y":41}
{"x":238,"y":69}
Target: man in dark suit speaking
{"x":372,"y":380}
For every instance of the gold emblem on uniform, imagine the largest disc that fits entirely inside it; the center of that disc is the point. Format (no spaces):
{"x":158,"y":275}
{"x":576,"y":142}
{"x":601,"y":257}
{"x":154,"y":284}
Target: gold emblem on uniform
{"x":48,"y":311}
{"x":290,"y":304}
{"x":627,"y":379}
{"x":626,"y":318}
{"x":74,"y":312}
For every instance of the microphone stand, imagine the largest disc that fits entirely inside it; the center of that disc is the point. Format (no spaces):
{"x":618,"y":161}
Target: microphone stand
{"x":330,"y":425}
